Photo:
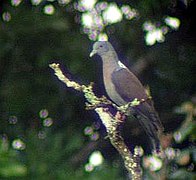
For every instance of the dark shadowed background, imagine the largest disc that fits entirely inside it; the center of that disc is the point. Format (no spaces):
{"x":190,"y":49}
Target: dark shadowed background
{"x":46,"y":133}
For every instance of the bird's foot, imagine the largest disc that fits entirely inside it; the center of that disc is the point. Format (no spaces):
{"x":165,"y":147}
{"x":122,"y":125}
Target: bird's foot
{"x":120,"y":117}
{"x":99,"y":102}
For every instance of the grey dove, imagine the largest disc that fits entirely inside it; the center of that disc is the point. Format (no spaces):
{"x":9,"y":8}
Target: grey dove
{"x":122,"y":86}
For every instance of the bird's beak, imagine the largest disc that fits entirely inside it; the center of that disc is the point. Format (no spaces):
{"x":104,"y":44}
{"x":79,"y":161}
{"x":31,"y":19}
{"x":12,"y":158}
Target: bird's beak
{"x":93,"y":52}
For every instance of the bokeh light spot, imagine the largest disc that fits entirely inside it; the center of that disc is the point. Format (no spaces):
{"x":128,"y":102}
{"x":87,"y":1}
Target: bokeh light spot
{"x":87,"y":4}
{"x":153,"y":163}
{"x":170,"y":153}
{"x":93,"y":35}
{"x":164,"y":29}
{"x":184,"y":159}
{"x":87,"y":19}
{"x":96,"y":158}
{"x":103,"y":37}
{"x":153,"y":36}
{"x":112,"y":14}
{"x":41,"y":135}
{"x":12,"y":119}
{"x":43,"y":113}
{"x":15,"y":2}
{"x":6,"y":16}
{"x":88,"y":130}
{"x":150,"y":38}
{"x":172,"y":22}
{"x":177,"y":136}
{"x":47,"y":122}
{"x":159,"y":36}
{"x":94,"y":136}
{"x":148,"y":26}
{"x":101,"y":6}
{"x":89,"y":167}
{"x":36,"y":2}
{"x":18,"y":144}
{"x":128,"y":12}
{"x":139,"y":151}
{"x":49,"y":9}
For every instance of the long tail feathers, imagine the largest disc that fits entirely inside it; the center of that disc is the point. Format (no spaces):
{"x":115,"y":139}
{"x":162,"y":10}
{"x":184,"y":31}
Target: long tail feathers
{"x":153,"y":129}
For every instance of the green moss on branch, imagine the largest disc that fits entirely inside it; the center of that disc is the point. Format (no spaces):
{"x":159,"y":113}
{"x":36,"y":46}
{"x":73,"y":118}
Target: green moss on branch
{"x":131,"y":161}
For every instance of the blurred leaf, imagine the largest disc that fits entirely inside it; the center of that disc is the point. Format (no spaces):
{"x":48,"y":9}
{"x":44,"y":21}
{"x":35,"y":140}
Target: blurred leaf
{"x":30,"y":40}
{"x":194,"y":154}
{"x":193,"y":133}
{"x":182,"y":174}
{"x":190,"y":129}
{"x":184,"y":157}
{"x":10,"y":166}
{"x":12,"y":169}
{"x":74,"y":143}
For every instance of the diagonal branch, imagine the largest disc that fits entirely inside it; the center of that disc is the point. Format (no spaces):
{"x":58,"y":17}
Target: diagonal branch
{"x":131,"y":161}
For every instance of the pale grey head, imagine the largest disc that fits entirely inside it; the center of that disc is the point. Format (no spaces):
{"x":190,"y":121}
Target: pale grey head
{"x":101,"y":48}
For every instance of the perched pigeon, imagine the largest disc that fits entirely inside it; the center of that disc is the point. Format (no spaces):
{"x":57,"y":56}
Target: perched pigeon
{"x":122,"y":86}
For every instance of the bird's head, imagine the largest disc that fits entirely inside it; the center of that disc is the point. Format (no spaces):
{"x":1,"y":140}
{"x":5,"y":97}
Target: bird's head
{"x":101,"y":48}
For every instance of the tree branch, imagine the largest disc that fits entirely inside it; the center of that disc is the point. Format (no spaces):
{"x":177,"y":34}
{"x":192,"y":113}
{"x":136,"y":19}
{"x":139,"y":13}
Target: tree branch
{"x":131,"y":161}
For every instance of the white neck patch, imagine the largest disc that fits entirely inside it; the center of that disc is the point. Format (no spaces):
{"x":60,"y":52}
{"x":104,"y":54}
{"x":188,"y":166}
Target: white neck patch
{"x":121,"y":65}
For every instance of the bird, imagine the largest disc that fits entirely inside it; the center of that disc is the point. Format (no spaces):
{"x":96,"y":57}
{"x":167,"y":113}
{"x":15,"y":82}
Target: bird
{"x":122,"y":87}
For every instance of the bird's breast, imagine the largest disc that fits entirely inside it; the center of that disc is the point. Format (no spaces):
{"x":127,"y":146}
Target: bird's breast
{"x":109,"y":86}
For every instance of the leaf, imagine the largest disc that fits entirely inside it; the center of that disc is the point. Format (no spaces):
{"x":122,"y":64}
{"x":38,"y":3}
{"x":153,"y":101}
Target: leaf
{"x":186,"y":131}
{"x":182,"y":174}
{"x":13,"y":169}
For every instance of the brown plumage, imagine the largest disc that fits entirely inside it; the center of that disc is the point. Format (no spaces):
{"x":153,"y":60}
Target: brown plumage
{"x":122,"y":86}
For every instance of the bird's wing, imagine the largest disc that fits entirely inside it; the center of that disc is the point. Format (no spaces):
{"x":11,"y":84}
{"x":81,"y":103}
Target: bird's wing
{"x":127,"y":85}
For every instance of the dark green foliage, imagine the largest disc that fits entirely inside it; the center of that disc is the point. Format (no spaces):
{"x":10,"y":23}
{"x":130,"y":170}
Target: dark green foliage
{"x":31,"y":40}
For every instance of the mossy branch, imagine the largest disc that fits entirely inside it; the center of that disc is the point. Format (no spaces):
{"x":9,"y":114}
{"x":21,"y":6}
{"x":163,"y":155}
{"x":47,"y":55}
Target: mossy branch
{"x":131,"y":161}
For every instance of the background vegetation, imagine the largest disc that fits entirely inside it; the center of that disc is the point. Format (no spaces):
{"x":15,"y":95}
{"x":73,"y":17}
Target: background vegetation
{"x":46,"y":133}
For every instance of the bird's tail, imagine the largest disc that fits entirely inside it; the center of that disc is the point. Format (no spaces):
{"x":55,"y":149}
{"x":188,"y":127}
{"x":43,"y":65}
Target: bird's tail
{"x":152,"y":128}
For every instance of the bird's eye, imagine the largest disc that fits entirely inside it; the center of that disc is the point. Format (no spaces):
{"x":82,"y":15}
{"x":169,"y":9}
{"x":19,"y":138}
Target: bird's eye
{"x":101,"y":46}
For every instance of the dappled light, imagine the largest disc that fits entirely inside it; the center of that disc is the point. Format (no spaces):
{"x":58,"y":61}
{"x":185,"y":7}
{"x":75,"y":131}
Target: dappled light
{"x":102,"y":37}
{"x":177,"y":136}
{"x":6,"y":16}
{"x":112,"y":14}
{"x":172,"y":22}
{"x":92,"y":133}
{"x":43,"y":113}
{"x":153,"y":163}
{"x":15,"y":2}
{"x":96,"y":17}
{"x":57,"y":119}
{"x":47,"y":122}
{"x":18,"y":144}
{"x":13,"y":120}
{"x":155,"y":32}
{"x":170,"y":153}
{"x":86,"y":5}
{"x":36,"y":2}
{"x":49,"y":9}
{"x":96,"y":158}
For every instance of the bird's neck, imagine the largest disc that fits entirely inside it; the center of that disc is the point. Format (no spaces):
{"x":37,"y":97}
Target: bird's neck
{"x":110,"y":61}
